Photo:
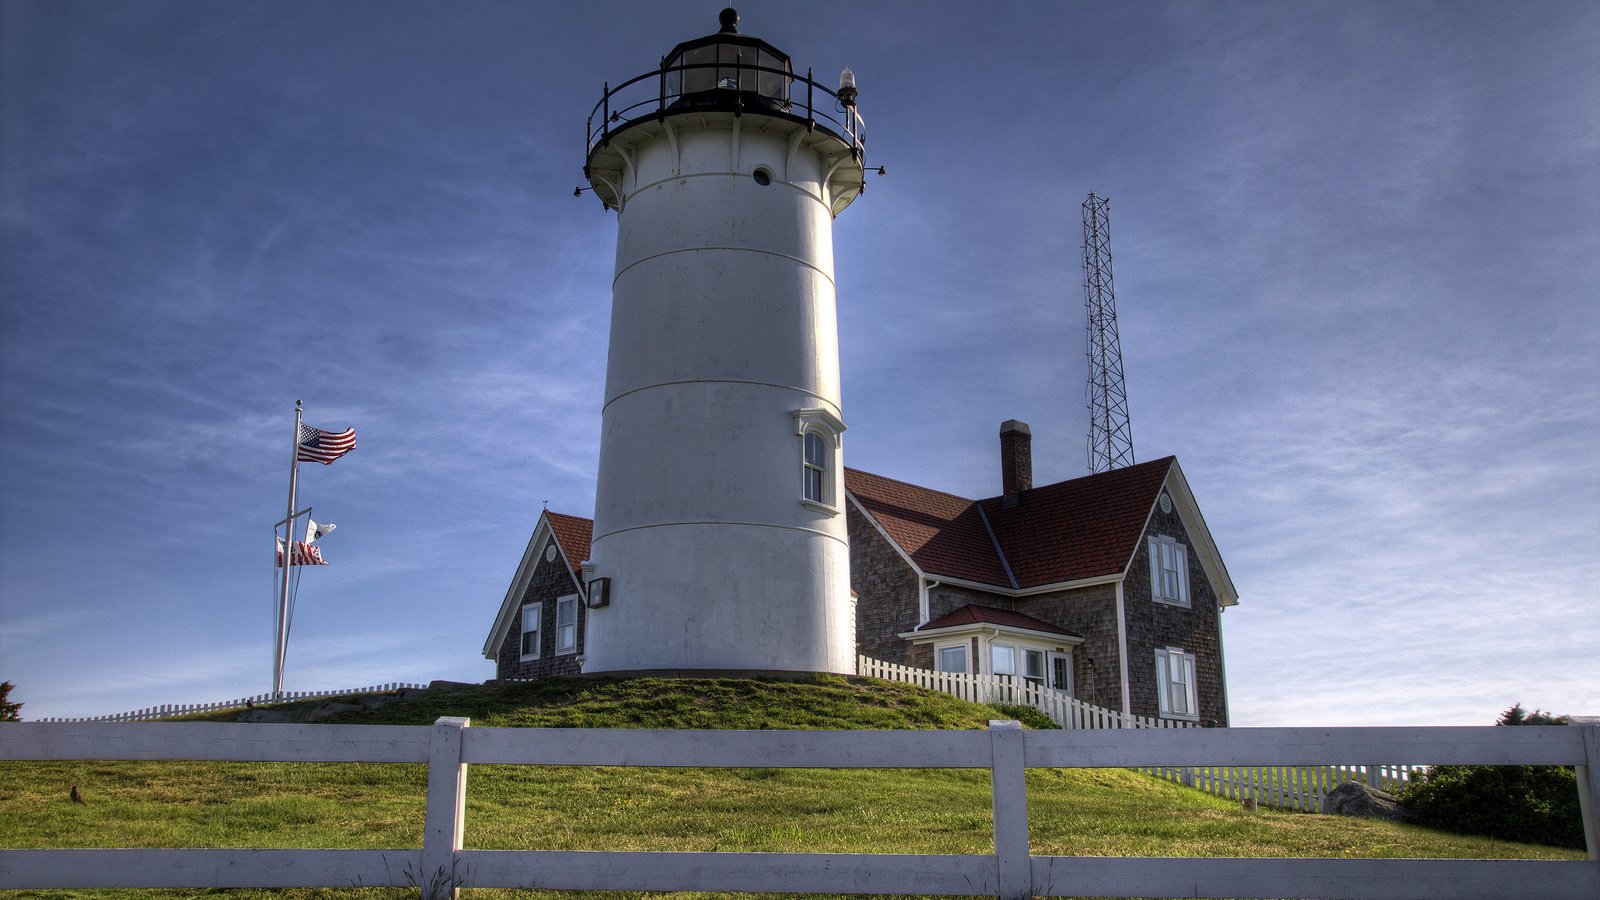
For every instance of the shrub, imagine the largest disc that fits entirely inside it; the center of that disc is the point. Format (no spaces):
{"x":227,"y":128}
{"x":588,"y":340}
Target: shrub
{"x":1027,"y":715}
{"x":1531,"y":804}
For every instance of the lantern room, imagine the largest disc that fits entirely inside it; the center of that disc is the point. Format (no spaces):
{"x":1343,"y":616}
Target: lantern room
{"x":726,"y":69}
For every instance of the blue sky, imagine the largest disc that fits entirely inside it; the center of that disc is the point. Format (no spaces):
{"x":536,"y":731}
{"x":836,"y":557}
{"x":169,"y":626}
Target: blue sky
{"x":1357,"y":263}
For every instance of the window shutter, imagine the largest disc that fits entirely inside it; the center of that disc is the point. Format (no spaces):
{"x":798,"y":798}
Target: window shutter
{"x":1183,"y":572}
{"x":1191,"y":707}
{"x":1163,"y":692}
{"x":1155,"y":568}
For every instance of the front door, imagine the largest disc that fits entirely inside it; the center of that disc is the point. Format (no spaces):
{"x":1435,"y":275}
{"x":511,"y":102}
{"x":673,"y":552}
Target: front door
{"x":1061,"y":672}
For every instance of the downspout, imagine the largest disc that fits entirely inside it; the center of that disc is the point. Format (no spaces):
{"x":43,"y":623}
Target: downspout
{"x":923,"y":587}
{"x":1122,"y":648}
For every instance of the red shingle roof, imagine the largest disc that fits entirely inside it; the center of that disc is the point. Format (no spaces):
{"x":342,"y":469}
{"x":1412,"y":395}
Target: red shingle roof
{"x":943,"y":533}
{"x":1083,"y":528}
{"x":573,"y":534}
{"x":973,"y":614}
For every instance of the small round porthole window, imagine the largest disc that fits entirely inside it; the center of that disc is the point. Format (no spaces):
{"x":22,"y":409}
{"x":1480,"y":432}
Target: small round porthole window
{"x":550,"y":553}
{"x":763,"y":176}
{"x":1166,"y":503}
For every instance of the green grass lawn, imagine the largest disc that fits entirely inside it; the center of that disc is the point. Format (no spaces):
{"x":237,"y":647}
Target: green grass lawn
{"x":1071,"y":812}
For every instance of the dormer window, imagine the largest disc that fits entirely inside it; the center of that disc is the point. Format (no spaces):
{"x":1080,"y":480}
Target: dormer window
{"x":816,"y":468}
{"x":819,"y":431}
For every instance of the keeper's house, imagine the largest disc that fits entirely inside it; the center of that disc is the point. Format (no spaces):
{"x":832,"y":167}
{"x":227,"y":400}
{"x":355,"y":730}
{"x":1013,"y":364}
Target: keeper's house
{"x":1108,"y":587}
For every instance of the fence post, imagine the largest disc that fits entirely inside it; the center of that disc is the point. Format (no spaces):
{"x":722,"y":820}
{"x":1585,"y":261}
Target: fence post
{"x":1589,"y":789}
{"x":446,"y":815}
{"x":1008,"y":783}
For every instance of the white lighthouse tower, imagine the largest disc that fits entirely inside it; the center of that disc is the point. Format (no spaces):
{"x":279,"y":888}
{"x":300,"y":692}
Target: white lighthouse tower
{"x":719,"y":525}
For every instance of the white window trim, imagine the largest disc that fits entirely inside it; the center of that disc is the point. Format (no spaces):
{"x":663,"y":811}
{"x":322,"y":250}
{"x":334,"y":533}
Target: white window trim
{"x":1165,"y":683}
{"x":965,"y":646}
{"x":1016,"y":653}
{"x":573,"y":600}
{"x":538,"y":620}
{"x":1044,"y":666}
{"x":828,"y":426}
{"x":1158,"y":543}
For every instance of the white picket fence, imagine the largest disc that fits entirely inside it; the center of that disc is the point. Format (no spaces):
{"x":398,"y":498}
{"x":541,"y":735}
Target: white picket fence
{"x":1062,"y":708}
{"x":1012,"y":871}
{"x":167,"y":711}
{"x":1299,"y":787}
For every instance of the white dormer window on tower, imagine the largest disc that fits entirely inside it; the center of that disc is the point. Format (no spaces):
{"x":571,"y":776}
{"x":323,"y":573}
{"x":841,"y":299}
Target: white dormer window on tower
{"x":816,"y":468}
{"x":1169,"y":571}
{"x":819,"y":433}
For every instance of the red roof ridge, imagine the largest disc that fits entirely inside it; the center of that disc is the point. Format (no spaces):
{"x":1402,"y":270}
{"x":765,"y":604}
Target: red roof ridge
{"x":848,"y":472}
{"x":574,"y":534}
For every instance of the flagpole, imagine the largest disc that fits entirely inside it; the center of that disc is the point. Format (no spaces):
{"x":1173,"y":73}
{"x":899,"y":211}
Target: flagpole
{"x":282,"y":633}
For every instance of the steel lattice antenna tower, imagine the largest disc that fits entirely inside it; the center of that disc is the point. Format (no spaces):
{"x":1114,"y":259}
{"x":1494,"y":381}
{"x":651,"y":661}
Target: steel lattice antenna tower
{"x":1110,"y":435}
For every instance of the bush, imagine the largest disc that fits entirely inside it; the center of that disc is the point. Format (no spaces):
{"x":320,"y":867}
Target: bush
{"x":1027,"y":715}
{"x":1531,"y":804}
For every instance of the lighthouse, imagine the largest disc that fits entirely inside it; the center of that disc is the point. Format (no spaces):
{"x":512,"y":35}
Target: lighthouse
{"x":719,"y":524}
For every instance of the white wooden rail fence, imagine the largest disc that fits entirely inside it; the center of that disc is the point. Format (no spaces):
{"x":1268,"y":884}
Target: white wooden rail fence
{"x":1011,"y":871}
{"x":1302,"y":788}
{"x":168,"y":710}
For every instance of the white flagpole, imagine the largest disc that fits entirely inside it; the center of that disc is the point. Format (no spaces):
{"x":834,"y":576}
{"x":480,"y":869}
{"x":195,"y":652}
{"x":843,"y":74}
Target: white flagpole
{"x":282,"y":632}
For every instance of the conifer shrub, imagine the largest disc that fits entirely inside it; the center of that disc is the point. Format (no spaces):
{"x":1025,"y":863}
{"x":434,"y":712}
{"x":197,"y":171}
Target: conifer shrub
{"x":1529,"y":804}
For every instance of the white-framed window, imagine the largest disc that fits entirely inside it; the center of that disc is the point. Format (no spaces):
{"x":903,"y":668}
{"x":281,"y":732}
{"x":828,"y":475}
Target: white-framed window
{"x":531,"y":614}
{"x":1169,"y":571}
{"x":567,"y":624}
{"x":1033,"y":666}
{"x":1003,"y":658}
{"x":815,"y":468}
{"x":1175,"y":684}
{"x":819,"y":433}
{"x":951,"y":658}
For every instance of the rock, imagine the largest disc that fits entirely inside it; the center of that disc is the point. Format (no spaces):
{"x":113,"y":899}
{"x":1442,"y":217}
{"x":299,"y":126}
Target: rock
{"x":325,"y":710}
{"x":1356,"y":799}
{"x":268,"y":715}
{"x":437,"y":685}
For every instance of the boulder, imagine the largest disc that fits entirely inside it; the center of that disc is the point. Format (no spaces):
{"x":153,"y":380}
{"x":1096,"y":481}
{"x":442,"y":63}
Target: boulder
{"x":269,"y":715}
{"x":325,"y":710}
{"x":1353,"y":798}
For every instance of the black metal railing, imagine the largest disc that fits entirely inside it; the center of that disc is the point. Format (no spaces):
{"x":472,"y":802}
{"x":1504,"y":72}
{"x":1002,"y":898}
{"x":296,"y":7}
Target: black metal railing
{"x":655,"y":95}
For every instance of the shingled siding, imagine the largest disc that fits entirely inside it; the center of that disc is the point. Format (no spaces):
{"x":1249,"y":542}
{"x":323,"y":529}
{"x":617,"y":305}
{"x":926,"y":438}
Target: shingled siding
{"x":886,"y":589}
{"x":1195,"y":630}
{"x":1091,"y":612}
{"x":946,"y":599}
{"x":551,"y":579}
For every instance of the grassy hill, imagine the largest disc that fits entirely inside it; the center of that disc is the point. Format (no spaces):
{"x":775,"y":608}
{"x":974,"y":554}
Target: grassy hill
{"x":1072,"y":812}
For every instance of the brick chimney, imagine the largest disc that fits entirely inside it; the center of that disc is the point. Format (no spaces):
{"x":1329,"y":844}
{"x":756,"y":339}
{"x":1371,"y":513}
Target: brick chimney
{"x":1016,"y":460}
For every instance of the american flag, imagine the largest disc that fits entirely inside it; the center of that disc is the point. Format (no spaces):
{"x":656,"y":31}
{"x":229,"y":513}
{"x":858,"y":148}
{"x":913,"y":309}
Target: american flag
{"x":303,"y":554}
{"x":324,"y":447}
